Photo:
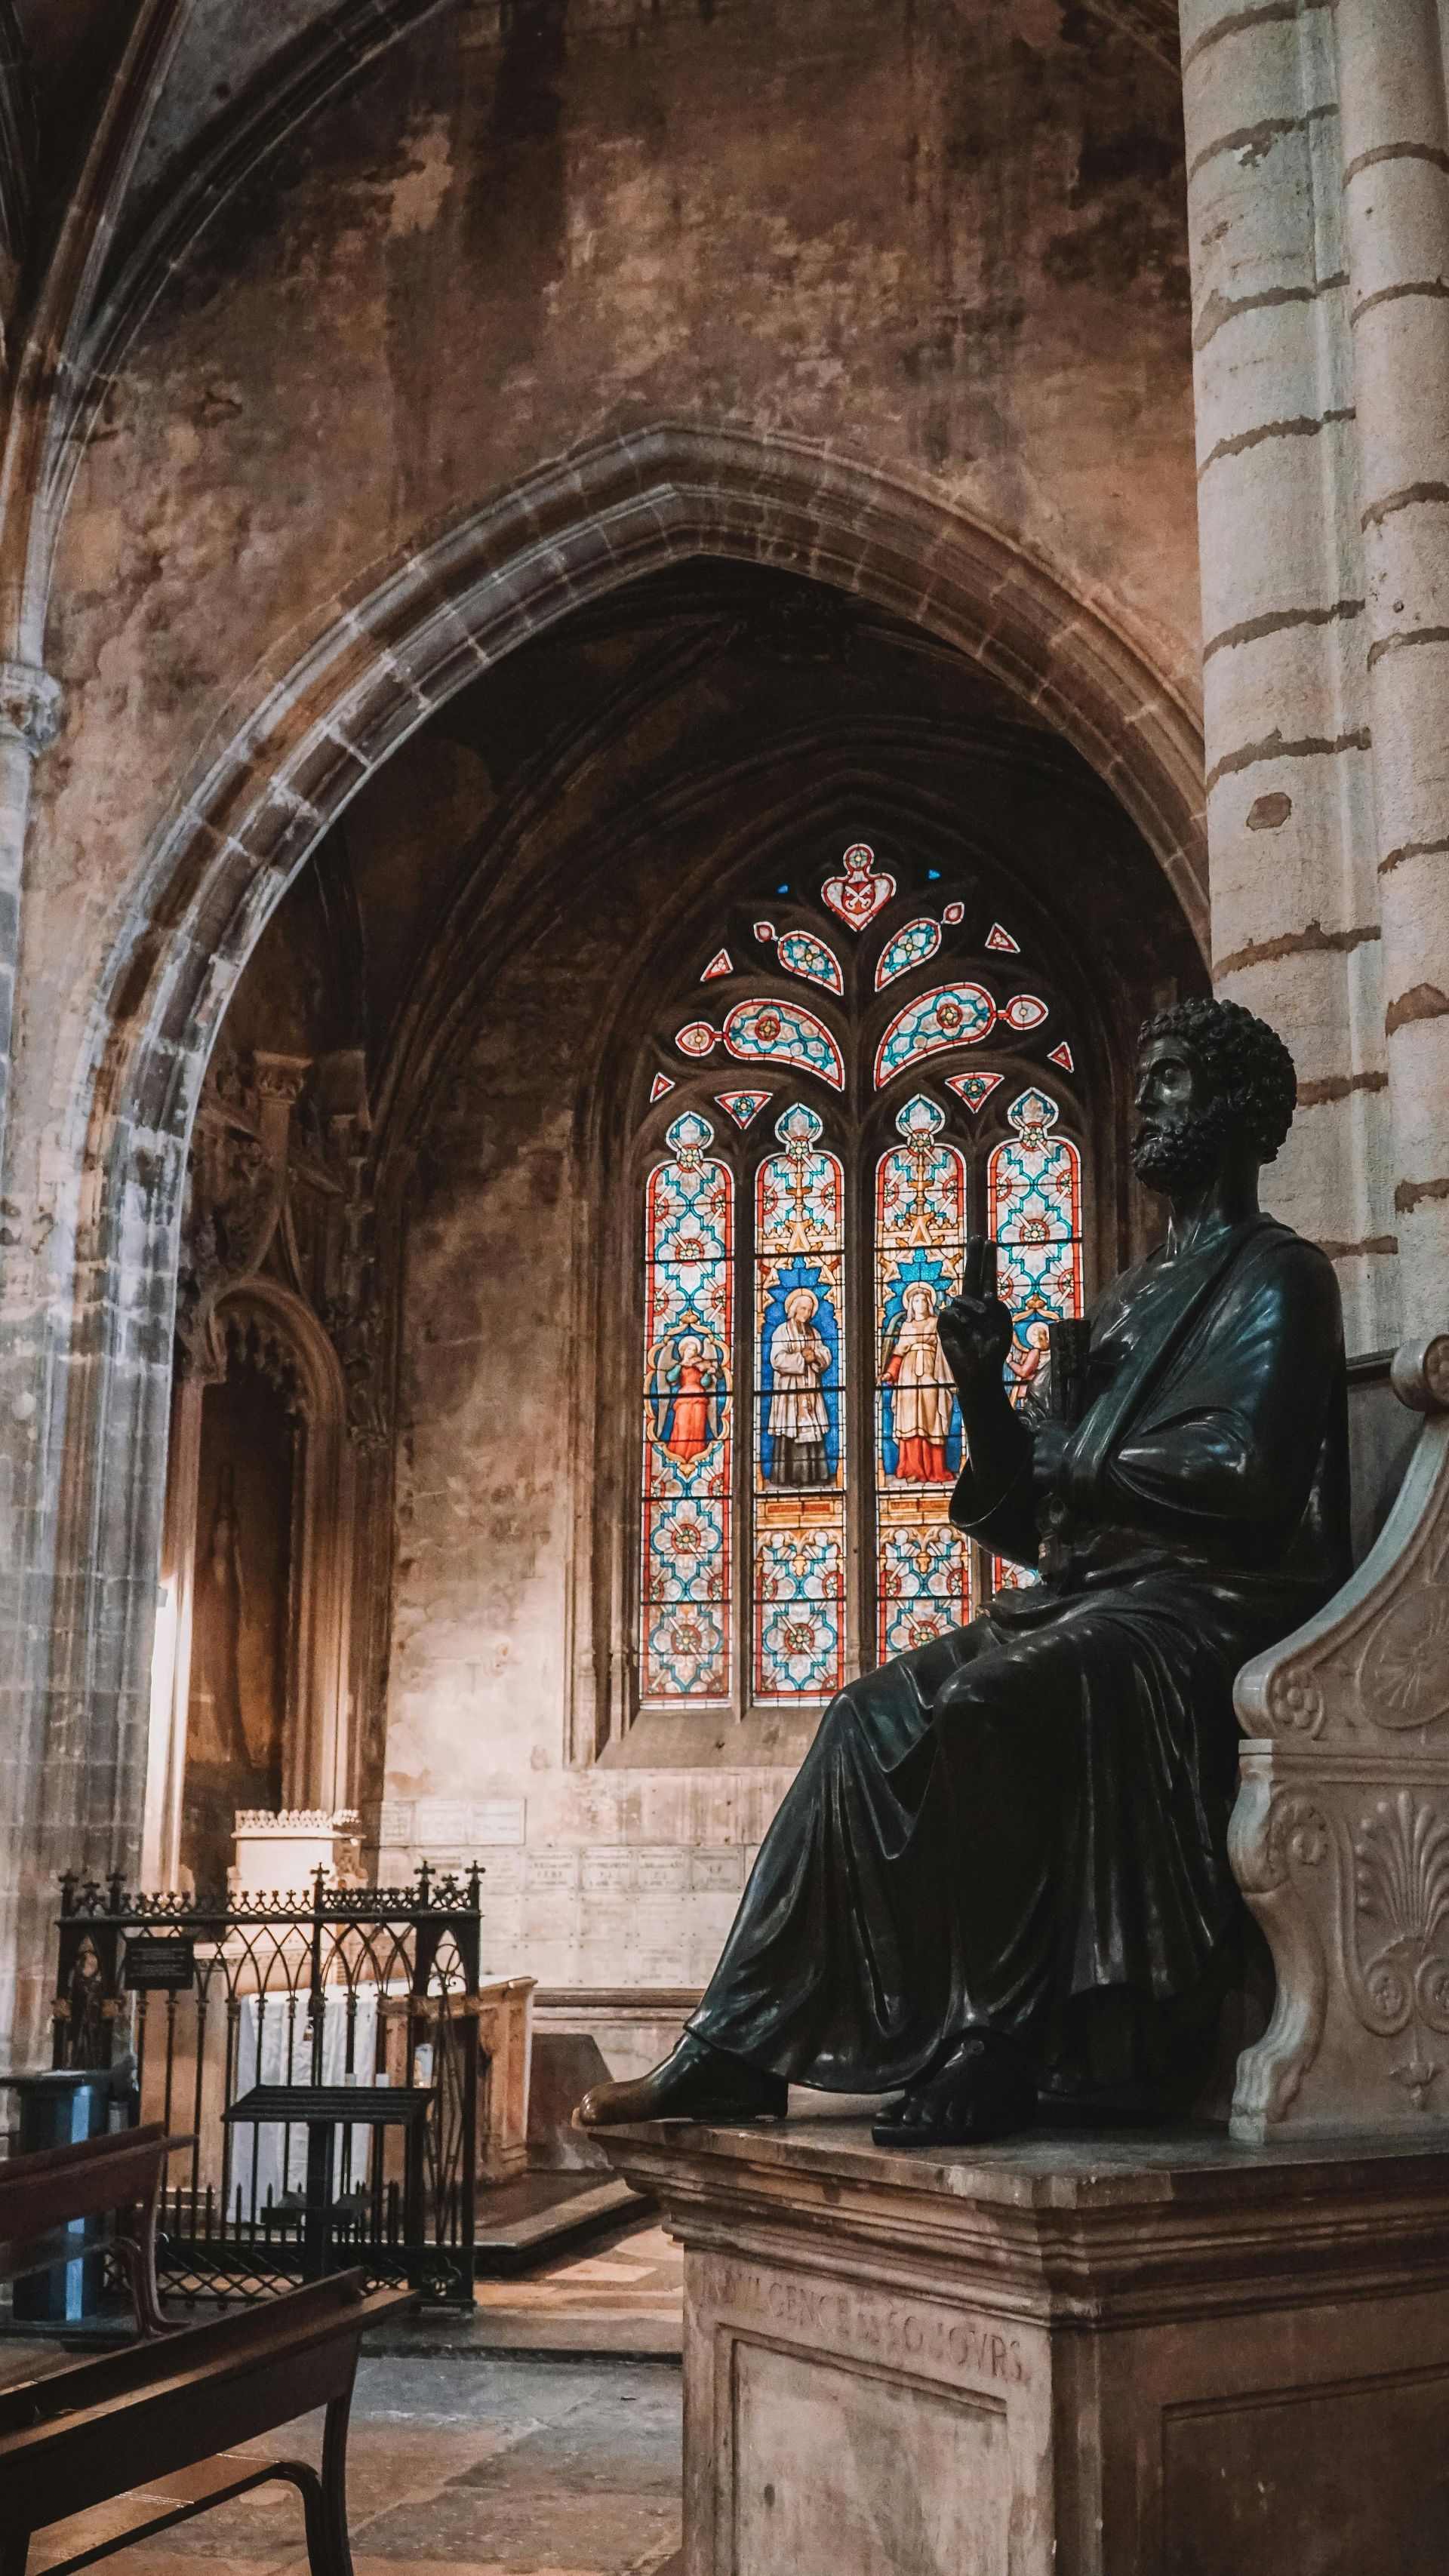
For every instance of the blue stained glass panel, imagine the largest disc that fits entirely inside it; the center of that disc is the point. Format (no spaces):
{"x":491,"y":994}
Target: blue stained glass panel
{"x":909,"y":947}
{"x":951,"y":1015}
{"x":798,"y":1611}
{"x":923,"y":1565}
{"x":801,"y":953}
{"x":783,"y":1033}
{"x":1034,"y":1196}
{"x":688,"y":1421}
{"x":742,"y":1106}
{"x":974,"y":1088}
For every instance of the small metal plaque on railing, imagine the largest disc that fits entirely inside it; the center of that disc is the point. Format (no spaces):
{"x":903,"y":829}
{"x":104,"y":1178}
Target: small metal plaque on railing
{"x":161,"y":1963}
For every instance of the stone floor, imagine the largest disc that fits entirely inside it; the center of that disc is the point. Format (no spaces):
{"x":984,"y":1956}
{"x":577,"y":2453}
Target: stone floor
{"x":494,"y":2466}
{"x":469,"y":2460}
{"x":625,"y":2295}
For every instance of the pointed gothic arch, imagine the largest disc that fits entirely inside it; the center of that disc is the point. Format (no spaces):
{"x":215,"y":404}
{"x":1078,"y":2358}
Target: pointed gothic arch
{"x":281,"y":764}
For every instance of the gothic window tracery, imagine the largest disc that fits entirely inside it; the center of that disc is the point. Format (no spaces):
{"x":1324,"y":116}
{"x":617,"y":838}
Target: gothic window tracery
{"x":801,"y":1433}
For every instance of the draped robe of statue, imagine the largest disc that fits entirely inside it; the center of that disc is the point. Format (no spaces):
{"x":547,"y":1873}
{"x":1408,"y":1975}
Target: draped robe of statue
{"x":1023,"y":1825}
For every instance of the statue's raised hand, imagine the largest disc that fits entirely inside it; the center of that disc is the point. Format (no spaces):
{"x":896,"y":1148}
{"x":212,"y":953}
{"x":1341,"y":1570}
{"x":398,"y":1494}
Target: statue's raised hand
{"x":975,"y":1331}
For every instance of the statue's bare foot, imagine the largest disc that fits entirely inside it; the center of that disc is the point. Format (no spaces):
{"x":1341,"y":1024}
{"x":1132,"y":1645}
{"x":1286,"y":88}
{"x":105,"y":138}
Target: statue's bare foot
{"x":695,"y":2082}
{"x":980,"y":2092}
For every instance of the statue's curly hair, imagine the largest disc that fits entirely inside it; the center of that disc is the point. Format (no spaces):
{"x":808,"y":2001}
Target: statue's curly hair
{"x":1245,"y":1058}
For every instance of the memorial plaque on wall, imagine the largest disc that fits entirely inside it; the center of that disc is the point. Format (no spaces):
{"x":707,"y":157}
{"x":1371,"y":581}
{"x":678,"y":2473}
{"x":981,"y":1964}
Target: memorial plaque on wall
{"x":159,"y":1963}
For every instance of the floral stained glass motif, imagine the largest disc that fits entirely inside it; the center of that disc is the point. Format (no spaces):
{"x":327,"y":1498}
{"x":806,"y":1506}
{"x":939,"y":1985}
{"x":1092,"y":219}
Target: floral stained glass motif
{"x":788,"y":1035}
{"x":1034,"y":1199}
{"x":721,"y":963}
{"x":923,"y":1569}
{"x":974,"y":1088}
{"x":861,"y":889}
{"x":688,"y":1421}
{"x":910,"y":947}
{"x":742,"y":1106}
{"x":951,"y":1015}
{"x":780,"y":1032}
{"x":951,"y":913}
{"x":1024,"y":1011}
{"x":801,"y":953}
{"x":996,"y":937}
{"x":798,"y":1606}
{"x":698,"y":1039}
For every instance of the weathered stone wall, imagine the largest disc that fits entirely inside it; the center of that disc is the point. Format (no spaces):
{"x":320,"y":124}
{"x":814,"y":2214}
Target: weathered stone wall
{"x":950,"y":240}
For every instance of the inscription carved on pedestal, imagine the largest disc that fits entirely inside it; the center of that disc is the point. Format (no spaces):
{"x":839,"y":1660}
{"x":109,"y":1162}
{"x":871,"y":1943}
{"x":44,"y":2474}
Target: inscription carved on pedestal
{"x":903,"y":2334}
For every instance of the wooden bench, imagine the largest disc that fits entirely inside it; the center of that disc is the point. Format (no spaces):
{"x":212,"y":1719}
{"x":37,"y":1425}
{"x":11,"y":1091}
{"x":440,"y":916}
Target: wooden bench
{"x":89,"y":2434}
{"x":41,"y":2195}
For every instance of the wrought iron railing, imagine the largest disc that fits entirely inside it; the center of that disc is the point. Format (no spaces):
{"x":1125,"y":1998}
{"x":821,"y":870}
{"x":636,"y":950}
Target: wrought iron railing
{"x":371,"y":1991}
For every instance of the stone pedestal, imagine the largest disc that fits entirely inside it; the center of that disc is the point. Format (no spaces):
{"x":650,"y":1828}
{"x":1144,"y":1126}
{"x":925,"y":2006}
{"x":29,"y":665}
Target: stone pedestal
{"x":1148,"y":2356}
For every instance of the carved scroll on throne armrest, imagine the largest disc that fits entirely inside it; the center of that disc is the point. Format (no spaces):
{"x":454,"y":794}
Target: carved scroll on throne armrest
{"x":1340,"y":1837}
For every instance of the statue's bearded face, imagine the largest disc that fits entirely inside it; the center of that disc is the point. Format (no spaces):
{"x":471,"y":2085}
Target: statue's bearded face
{"x":1185,"y":1124}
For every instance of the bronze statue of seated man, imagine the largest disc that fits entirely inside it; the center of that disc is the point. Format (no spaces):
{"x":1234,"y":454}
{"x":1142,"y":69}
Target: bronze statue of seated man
{"x":1000,"y":1879}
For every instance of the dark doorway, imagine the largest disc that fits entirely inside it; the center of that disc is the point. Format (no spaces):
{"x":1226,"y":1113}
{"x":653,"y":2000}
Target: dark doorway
{"x":242,"y":1616}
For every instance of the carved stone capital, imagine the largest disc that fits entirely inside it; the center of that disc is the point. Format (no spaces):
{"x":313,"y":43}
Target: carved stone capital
{"x":279,"y":1077}
{"x":29,"y":706}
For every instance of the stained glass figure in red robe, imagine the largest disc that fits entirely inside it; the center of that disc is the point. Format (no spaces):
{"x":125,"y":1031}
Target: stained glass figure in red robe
{"x":923,"y":1391}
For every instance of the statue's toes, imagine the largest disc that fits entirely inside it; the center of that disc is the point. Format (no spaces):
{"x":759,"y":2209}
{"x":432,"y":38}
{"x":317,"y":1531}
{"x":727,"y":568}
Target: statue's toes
{"x":607,"y":2105}
{"x":954,"y":2125}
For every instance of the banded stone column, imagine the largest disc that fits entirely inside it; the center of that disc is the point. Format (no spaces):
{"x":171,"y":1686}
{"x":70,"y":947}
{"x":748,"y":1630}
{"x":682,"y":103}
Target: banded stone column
{"x":29,"y":722}
{"x":1290,"y":807}
{"x":1395,"y":165}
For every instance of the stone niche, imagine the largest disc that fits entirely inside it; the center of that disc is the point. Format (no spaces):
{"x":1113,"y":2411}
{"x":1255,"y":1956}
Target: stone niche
{"x":1160,"y":2356}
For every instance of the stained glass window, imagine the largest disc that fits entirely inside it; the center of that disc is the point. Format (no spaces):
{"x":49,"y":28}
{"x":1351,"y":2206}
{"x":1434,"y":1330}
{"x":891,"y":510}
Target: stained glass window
{"x":1034,"y":1204}
{"x":861,"y":890}
{"x":778,"y":1563}
{"x":1034,"y":1194}
{"x":923,"y":1575}
{"x":688,"y":1421}
{"x":909,"y":947}
{"x":974,"y":1088}
{"x":950,"y":1016}
{"x":742,"y":1106}
{"x":800,"y":1434}
{"x":697,"y":1039}
{"x":779,"y":1032}
{"x":801,"y":953}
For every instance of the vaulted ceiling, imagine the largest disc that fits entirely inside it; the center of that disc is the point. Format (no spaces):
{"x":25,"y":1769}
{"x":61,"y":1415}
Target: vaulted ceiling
{"x":194,"y":90}
{"x":125,"y":128}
